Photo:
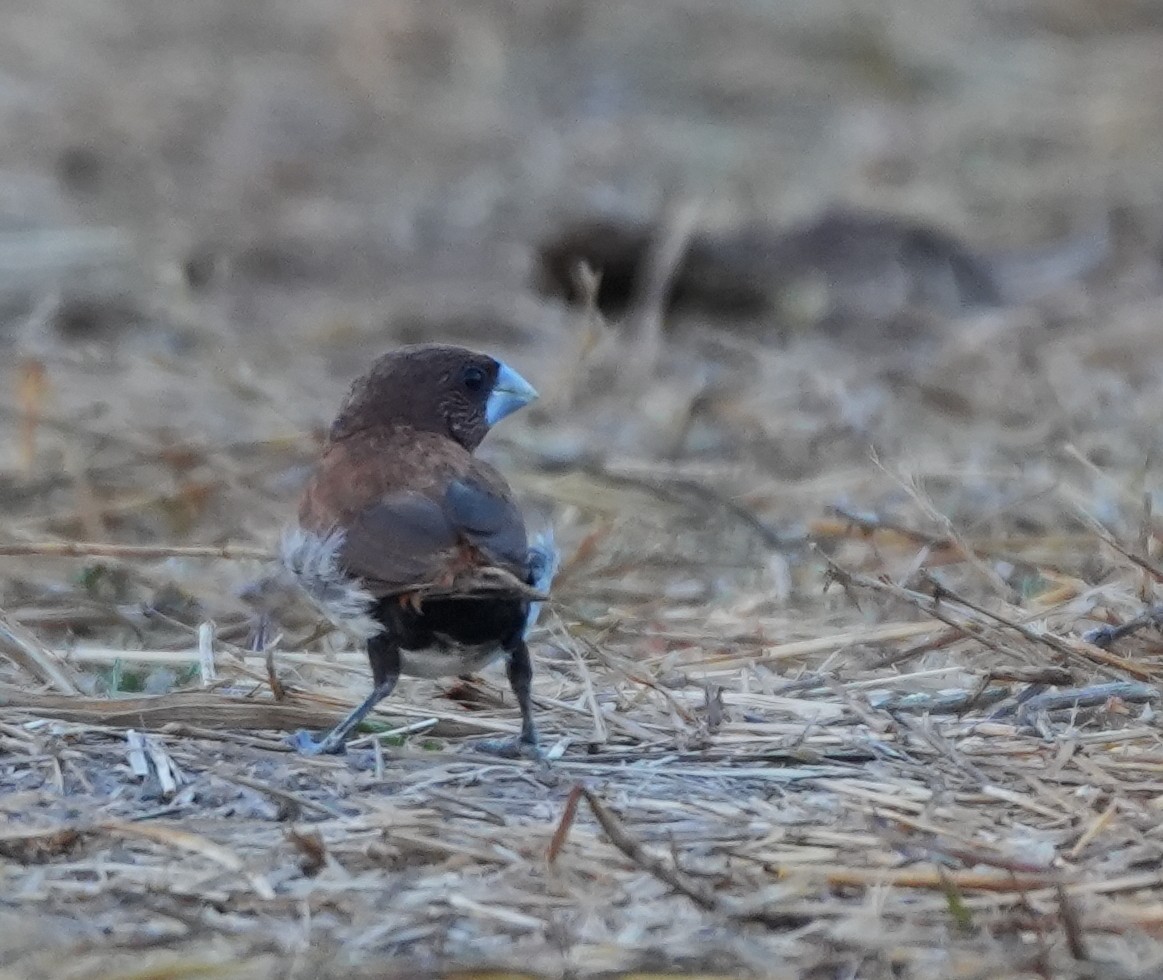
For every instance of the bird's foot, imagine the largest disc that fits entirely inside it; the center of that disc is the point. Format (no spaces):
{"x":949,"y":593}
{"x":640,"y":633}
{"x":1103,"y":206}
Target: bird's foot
{"x":305,"y":743}
{"x":509,"y":748}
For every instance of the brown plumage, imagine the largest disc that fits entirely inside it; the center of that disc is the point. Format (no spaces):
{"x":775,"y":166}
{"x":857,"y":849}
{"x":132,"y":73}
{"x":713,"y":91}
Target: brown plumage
{"x":416,"y":523}
{"x":388,"y":488}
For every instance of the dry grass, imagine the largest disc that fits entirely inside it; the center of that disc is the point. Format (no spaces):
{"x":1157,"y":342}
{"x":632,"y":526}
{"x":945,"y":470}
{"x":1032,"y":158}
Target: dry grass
{"x":874,"y":778}
{"x":852,"y":669}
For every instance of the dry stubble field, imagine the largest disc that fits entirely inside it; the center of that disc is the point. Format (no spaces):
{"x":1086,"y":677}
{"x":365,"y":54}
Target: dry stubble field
{"x":819,"y":678}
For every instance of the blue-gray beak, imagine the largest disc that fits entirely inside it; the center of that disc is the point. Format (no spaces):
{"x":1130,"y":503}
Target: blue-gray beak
{"x":510,"y":393}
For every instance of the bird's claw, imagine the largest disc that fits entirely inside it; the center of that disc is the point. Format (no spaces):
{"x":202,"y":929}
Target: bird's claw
{"x":510,"y":748}
{"x":305,"y":743}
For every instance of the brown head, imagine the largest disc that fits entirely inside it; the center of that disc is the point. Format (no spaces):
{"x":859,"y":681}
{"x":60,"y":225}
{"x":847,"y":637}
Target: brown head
{"x":437,"y":388}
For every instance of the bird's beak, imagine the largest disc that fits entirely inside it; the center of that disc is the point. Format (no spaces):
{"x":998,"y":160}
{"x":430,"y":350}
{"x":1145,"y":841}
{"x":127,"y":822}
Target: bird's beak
{"x":510,"y":393}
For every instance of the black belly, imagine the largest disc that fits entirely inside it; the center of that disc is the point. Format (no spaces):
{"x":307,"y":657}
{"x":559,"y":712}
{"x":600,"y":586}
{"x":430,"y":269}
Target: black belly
{"x":469,"y":622}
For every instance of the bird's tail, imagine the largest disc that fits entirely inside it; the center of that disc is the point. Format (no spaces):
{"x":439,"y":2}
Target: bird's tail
{"x":544,"y":560}
{"x":311,"y":567}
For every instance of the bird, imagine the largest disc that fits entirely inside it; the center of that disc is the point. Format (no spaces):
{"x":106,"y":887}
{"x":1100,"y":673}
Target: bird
{"x":409,"y":541}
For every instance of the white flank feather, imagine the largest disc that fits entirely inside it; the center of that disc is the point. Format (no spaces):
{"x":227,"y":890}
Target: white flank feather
{"x":544,"y":560}
{"x":313,"y":563}
{"x":311,"y":570}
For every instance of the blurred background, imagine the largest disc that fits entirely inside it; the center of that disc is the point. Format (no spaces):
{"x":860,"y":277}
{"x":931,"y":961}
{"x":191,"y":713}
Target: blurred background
{"x":931,"y":228}
{"x":761,"y":259}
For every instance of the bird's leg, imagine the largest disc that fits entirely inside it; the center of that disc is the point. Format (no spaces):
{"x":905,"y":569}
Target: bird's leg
{"x":260,"y":627}
{"x":525,"y":745}
{"x":385,"y":661}
{"x":520,"y":671}
{"x":333,"y":742}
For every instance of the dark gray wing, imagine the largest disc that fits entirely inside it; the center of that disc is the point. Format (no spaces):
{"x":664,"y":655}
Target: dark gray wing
{"x":409,"y":539}
{"x":489,"y":521}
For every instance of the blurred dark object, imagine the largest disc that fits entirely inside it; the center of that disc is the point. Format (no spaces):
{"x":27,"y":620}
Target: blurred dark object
{"x":80,"y":168}
{"x":86,"y":318}
{"x":840,"y":264}
{"x":78,"y":263}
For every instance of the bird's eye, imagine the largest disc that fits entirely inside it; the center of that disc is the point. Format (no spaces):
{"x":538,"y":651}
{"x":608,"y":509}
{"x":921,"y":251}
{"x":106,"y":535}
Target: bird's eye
{"x":474,"y":377}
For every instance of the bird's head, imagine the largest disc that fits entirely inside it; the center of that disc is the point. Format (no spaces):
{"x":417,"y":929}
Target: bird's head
{"x":434,"y":388}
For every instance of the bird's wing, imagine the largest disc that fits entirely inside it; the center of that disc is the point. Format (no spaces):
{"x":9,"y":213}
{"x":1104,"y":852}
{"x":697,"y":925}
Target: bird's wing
{"x":417,"y":525}
{"x":408,"y":539}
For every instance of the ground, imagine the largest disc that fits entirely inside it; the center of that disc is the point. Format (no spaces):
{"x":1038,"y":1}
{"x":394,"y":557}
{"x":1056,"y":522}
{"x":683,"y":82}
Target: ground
{"x":820,"y":684}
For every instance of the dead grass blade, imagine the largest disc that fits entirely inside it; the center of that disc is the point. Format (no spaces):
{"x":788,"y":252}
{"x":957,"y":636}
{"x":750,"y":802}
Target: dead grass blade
{"x":184,"y":840}
{"x":27,"y":652}
{"x":211,"y":711}
{"x":133,"y":552}
{"x":621,"y":838}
